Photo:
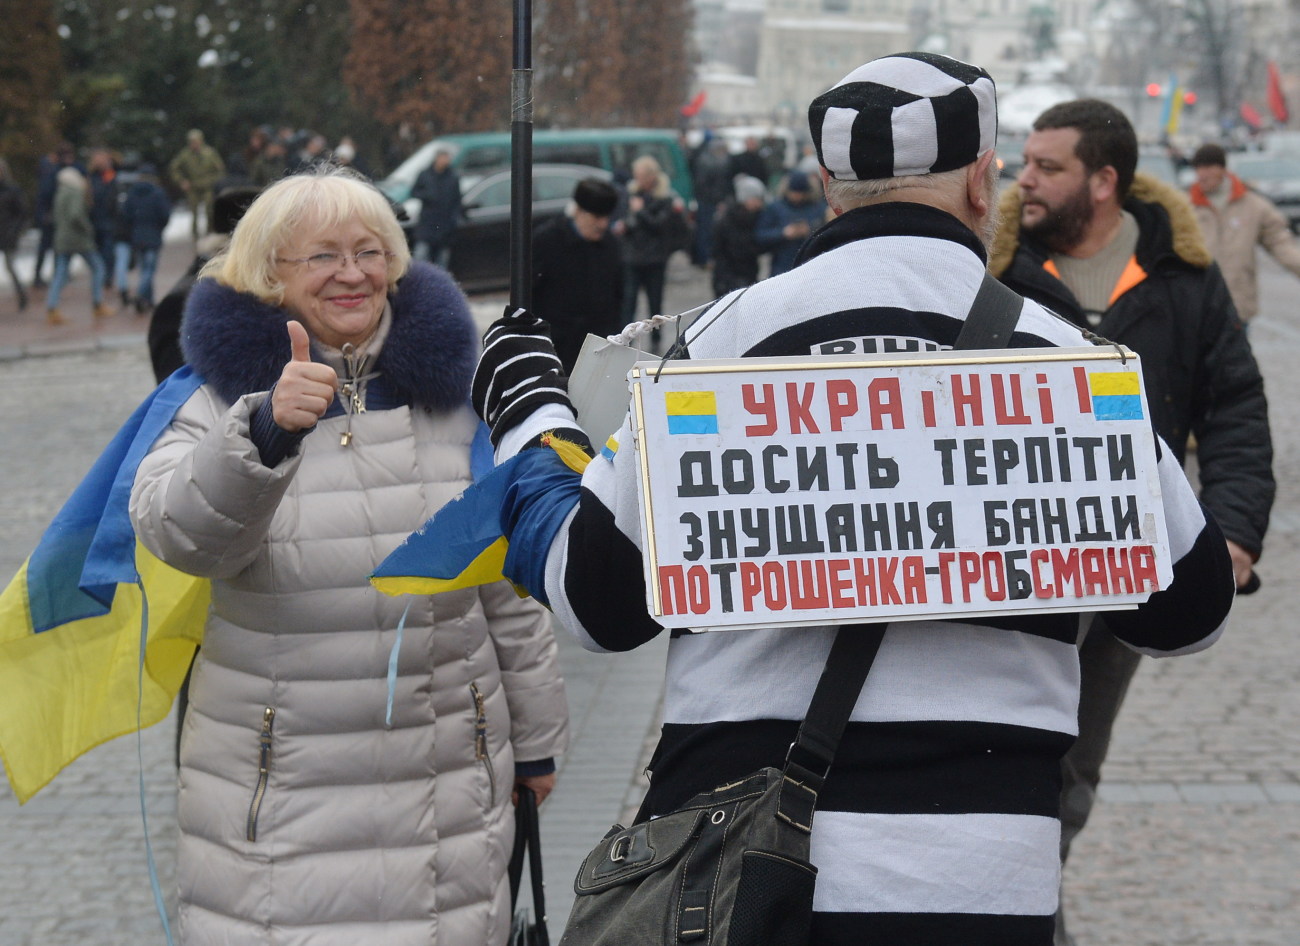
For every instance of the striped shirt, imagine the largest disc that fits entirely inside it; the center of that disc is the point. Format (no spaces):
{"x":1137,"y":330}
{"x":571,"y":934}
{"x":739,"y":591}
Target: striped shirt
{"x":938,"y":823}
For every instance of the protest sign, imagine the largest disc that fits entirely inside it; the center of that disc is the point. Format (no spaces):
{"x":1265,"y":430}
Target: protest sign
{"x":902,"y":487}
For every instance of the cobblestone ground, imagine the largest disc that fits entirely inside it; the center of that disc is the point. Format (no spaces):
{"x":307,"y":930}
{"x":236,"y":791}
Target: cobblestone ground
{"x":1196,"y":841}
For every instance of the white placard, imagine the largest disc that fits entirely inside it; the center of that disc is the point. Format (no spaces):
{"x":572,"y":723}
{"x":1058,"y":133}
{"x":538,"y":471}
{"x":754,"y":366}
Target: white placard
{"x":789,"y":491}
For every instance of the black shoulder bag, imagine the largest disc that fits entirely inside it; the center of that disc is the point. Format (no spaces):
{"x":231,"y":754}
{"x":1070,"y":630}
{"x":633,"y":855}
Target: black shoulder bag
{"x":730,"y":867}
{"x":527,"y":928}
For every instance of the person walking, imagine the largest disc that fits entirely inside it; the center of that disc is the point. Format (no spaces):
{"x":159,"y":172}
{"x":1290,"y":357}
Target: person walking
{"x":46,"y":186}
{"x":348,"y":760}
{"x":13,"y":223}
{"x":1235,"y":220}
{"x":711,"y":177}
{"x":74,"y":236}
{"x":438,"y":189}
{"x":195,"y":169}
{"x":578,"y":270}
{"x":144,"y":216}
{"x":937,"y":823}
{"x":1120,"y":254}
{"x":104,"y":203}
{"x":789,"y":220}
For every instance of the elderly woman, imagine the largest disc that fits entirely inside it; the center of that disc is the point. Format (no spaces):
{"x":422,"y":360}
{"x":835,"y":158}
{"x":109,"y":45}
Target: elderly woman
{"x":327,"y":797}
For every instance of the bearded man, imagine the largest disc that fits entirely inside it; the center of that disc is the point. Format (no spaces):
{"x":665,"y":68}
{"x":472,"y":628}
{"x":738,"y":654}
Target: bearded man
{"x":1121,"y":254}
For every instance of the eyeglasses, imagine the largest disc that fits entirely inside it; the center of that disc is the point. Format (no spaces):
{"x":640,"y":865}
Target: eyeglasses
{"x":368,"y":261}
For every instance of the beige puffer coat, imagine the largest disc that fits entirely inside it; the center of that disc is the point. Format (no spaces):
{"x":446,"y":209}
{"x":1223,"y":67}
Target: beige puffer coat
{"x":359,"y":831}
{"x":1232,"y":234}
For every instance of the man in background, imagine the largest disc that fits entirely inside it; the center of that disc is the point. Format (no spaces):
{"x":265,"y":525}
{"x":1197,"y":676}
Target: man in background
{"x":578,"y":270}
{"x":1234,"y":220}
{"x":438,"y":190}
{"x":195,"y":169}
{"x":1119,"y":254}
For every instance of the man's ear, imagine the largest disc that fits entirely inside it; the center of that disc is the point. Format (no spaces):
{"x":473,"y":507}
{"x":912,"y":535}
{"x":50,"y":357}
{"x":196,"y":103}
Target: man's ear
{"x":826,"y":176}
{"x":976,"y":189}
{"x":1105,"y":185}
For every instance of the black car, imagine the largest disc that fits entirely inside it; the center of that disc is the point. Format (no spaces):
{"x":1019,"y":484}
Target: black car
{"x":480,"y":251}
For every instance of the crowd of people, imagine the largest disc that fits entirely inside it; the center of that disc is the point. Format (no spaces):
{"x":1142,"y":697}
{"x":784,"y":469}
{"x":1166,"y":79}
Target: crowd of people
{"x":338,"y":367}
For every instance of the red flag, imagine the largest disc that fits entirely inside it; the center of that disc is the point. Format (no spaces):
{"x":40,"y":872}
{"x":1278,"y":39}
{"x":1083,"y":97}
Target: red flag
{"x":695,"y":104}
{"x":1276,"y":100}
{"x":1251,"y":116}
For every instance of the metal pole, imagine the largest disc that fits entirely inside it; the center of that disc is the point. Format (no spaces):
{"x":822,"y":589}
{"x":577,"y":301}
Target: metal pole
{"x":521,"y":158}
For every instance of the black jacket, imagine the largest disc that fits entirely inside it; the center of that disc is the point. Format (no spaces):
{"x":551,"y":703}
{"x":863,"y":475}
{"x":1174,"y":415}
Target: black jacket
{"x":577,"y":285}
{"x":735,"y":249}
{"x":1201,"y":377}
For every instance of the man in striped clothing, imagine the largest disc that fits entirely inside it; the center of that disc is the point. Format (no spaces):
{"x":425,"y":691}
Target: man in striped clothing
{"x":938,"y":823}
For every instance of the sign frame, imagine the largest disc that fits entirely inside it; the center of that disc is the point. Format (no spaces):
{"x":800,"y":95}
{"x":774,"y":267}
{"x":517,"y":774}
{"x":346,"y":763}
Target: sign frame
{"x":647,"y":373}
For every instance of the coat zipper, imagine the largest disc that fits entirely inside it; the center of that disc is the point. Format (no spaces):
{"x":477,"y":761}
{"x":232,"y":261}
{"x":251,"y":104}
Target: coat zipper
{"x":480,"y":739}
{"x":263,"y":771}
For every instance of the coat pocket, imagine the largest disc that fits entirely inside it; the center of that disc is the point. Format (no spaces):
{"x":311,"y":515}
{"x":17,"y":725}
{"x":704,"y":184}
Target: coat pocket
{"x":480,"y":741}
{"x":263,"y":772}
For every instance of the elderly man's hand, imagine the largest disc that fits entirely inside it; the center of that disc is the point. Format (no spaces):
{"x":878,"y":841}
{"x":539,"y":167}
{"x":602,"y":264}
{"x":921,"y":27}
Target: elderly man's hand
{"x":305,"y":389}
{"x":518,"y":371}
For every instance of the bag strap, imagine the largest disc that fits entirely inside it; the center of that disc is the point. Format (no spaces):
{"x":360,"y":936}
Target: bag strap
{"x":992,"y":317}
{"x":989,"y":324}
{"x":809,"y":757}
{"x":528,"y":839}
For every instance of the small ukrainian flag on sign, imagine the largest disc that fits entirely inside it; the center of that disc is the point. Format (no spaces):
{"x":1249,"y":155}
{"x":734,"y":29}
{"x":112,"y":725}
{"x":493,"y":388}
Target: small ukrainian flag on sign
{"x":1115,"y":395}
{"x":692,"y":412}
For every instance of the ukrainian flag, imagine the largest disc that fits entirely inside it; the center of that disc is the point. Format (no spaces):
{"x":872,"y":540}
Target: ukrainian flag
{"x":1116,"y":395}
{"x":501,"y":526}
{"x":75,"y":670}
{"x":692,"y":412}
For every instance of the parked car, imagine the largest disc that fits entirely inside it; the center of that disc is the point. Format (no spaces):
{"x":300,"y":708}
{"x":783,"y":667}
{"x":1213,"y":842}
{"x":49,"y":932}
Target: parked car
{"x":1275,"y":175}
{"x":480,"y":251}
{"x":477,"y":155}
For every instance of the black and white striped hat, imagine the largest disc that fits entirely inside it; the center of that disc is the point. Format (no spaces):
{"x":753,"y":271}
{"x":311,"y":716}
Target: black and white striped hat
{"x":909,"y":113}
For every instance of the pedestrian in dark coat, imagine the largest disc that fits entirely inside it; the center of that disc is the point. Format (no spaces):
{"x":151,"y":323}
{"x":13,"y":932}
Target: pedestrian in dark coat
{"x":653,"y":221}
{"x":735,"y":240}
{"x":13,"y":221}
{"x":786,"y":223}
{"x":578,"y":271}
{"x":146,"y":212}
{"x":104,"y":193}
{"x":438,"y":190}
{"x":711,"y":176}
{"x":1121,"y":254}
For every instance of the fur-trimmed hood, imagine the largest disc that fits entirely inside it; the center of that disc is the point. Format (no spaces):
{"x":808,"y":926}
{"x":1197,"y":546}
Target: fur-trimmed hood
{"x":239,"y":344}
{"x":1187,"y":242}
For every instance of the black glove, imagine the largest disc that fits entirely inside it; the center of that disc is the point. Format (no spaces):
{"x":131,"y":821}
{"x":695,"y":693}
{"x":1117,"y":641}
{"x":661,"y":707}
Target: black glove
{"x":518,"y":371}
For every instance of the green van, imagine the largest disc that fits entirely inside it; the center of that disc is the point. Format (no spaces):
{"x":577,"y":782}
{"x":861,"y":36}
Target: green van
{"x":475,"y":155}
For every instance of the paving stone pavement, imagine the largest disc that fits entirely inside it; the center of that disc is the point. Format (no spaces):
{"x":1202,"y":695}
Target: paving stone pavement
{"x":1196,"y":840}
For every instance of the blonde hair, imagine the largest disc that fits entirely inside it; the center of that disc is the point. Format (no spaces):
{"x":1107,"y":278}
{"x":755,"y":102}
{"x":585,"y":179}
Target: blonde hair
{"x":327,"y":197}
{"x":663,"y":187}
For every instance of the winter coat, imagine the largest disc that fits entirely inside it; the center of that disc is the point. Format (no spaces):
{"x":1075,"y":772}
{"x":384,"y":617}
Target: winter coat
{"x":1200,"y":375}
{"x":577,"y":285}
{"x":201,"y":169}
{"x":13,"y":215}
{"x":938,"y":822}
{"x":775,"y":218}
{"x":440,"y":209}
{"x":651,"y":234}
{"x":1232,"y":234}
{"x":735,"y":249}
{"x":72,"y":230}
{"x":363,"y":831}
{"x":104,"y":189}
{"x":146,"y":212}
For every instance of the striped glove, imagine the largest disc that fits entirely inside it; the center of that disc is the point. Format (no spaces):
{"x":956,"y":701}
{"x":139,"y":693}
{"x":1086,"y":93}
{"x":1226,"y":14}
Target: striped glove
{"x":518,"y":371}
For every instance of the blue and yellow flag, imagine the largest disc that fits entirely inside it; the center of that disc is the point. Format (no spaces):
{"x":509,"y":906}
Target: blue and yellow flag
{"x":501,"y":526}
{"x":691,"y":412}
{"x":72,"y":618}
{"x":1116,"y":395}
